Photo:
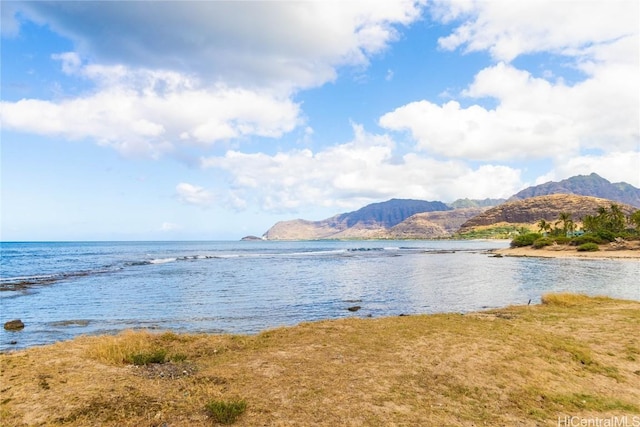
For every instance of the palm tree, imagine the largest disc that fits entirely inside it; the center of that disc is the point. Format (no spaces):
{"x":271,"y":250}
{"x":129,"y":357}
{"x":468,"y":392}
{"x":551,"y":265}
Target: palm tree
{"x":616,"y":218}
{"x":590,"y":223}
{"x":571,"y":226}
{"x":544,"y":226}
{"x":635,"y":219}
{"x":567,"y":222}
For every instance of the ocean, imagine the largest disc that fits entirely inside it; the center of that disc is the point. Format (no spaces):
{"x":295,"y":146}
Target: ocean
{"x":64,"y":289}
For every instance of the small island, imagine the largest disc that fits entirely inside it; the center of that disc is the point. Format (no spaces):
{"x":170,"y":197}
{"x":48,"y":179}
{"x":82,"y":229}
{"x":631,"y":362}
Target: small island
{"x":251,"y":238}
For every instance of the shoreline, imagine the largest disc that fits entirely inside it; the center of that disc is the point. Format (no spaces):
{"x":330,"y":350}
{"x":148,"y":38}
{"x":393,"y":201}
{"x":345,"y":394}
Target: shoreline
{"x":572,"y":355}
{"x":566,"y":251}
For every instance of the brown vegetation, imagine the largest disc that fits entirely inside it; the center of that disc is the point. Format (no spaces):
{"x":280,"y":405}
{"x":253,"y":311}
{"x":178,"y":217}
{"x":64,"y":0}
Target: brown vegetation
{"x":532,"y":210}
{"x":431,"y":225}
{"x":424,"y":225}
{"x":528,"y":365}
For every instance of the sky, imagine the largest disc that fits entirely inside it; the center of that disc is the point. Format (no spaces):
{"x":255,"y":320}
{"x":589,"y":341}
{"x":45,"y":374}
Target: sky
{"x":212,"y":120}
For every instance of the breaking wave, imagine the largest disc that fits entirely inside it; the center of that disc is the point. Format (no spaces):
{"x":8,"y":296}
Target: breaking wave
{"x":23,"y":282}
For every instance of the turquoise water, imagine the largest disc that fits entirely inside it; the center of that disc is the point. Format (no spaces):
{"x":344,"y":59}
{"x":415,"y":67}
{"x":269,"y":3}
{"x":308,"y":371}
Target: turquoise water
{"x":61,"y":290}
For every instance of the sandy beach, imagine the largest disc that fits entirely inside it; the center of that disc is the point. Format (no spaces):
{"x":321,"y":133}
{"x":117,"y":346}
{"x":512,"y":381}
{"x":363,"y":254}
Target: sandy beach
{"x":631,"y":250}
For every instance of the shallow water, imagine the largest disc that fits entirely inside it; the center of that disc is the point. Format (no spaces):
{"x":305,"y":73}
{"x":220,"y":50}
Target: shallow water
{"x":61,"y":290}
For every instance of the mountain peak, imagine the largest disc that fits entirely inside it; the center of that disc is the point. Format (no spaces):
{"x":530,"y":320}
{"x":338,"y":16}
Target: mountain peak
{"x":547,"y":207}
{"x":585,"y":185}
{"x":390,"y":213}
{"x":419,"y":219}
{"x":371,"y":221}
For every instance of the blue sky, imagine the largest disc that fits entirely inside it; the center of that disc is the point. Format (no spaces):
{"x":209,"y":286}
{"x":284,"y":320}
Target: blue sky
{"x":213,"y":120}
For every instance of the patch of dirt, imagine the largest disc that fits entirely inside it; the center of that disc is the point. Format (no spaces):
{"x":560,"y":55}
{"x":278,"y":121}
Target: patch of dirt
{"x":168,"y":370}
{"x":524,"y":366}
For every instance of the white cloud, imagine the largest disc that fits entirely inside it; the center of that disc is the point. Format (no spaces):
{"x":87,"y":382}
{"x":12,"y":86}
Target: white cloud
{"x":508,"y":29}
{"x":196,"y":72}
{"x":352,"y":174}
{"x":538,"y":117}
{"x":614,"y":166}
{"x":194,"y":195}
{"x":284,"y":44}
{"x":170,"y":226}
{"x":534,"y":118}
{"x":214,"y":71}
{"x":389,"y":76}
{"x":71,"y":62}
{"x":9,"y":25}
{"x":145,"y":112}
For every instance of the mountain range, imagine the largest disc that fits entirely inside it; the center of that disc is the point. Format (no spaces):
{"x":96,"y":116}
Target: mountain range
{"x":418,"y":219}
{"x":585,"y":185}
{"x":367,"y":222}
{"x":548,"y":207}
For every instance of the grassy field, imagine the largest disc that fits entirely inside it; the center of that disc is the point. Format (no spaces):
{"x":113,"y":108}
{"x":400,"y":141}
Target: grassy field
{"x":571,"y":356}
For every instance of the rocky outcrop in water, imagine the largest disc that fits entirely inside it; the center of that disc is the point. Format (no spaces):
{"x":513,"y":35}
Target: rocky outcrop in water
{"x":14,"y":325}
{"x":250,"y":238}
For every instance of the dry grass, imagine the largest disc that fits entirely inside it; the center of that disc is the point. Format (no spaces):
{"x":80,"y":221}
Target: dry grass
{"x":138,"y":348}
{"x":573,"y":300}
{"x":571,"y":356}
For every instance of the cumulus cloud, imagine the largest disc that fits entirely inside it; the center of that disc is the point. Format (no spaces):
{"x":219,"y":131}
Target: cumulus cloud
{"x":147,"y":112}
{"x":534,"y":118}
{"x":194,"y":195}
{"x":537,"y":117}
{"x":209,"y":72}
{"x":196,"y":72}
{"x":508,"y":29}
{"x":615,"y":166}
{"x":294,"y":44}
{"x":357,"y":172}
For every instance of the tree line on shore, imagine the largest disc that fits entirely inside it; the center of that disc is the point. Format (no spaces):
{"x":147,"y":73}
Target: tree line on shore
{"x":607,"y":225}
